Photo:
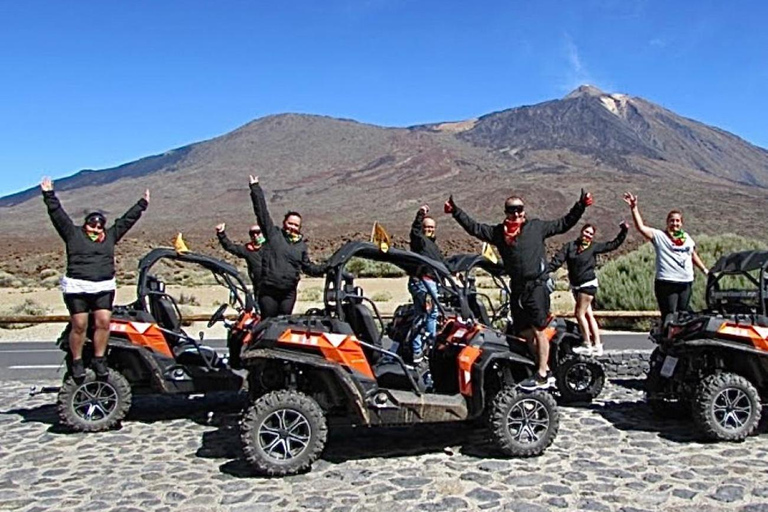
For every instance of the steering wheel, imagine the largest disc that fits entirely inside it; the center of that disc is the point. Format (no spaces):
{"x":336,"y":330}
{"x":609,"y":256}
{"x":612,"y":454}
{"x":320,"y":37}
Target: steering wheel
{"x":218,"y":315}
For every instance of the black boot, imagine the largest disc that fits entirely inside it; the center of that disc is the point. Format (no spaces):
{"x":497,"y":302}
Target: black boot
{"x":78,"y":370}
{"x":99,"y":365}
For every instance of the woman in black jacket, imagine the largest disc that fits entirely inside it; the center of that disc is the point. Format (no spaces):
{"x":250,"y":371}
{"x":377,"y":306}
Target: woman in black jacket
{"x":89,"y":283}
{"x":580,"y":256}
{"x":285,"y":256}
{"x":251,"y":252}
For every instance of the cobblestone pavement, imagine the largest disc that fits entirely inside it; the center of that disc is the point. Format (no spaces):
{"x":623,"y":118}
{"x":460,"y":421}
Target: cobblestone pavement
{"x":181,"y":454}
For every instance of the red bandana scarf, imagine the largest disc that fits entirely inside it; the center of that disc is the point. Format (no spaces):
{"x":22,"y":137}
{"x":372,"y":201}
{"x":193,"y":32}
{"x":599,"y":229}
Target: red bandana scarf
{"x":678,"y":237}
{"x":511,"y":231}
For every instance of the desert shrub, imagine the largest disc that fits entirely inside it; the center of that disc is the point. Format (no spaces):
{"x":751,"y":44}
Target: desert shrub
{"x":367,"y":268}
{"x":381,"y":296}
{"x":8,"y":280}
{"x":626,"y":283}
{"x":50,"y":282}
{"x":310,"y":294}
{"x":188,"y":299}
{"x":29,"y":307}
{"x":48,"y":272}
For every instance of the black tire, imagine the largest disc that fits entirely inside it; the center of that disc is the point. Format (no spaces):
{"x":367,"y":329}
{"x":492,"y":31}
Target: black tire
{"x":727,"y":407}
{"x":523,"y":424}
{"x":580,"y":379}
{"x":94,"y":405}
{"x":270,"y":452}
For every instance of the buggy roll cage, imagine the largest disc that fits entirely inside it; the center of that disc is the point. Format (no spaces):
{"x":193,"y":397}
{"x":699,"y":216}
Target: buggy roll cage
{"x":742,"y":264}
{"x":465,"y":264}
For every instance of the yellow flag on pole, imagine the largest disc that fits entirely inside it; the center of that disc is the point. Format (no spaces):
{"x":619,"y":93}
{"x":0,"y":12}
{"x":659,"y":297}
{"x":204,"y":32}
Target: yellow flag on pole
{"x":380,"y":237}
{"x":179,"y":245}
{"x":487,"y":252}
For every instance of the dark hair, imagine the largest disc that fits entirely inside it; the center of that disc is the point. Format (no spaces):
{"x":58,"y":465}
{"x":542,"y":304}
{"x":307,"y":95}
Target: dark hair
{"x":675,"y":212}
{"x":588,"y":225}
{"x":291,"y":214}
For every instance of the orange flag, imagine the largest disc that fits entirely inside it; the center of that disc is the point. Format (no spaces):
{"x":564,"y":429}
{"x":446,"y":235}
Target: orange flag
{"x":179,"y":245}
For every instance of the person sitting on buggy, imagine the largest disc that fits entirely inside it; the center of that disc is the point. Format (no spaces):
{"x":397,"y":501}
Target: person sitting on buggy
{"x":251,"y":252}
{"x":423,"y":285}
{"x":284,"y":258}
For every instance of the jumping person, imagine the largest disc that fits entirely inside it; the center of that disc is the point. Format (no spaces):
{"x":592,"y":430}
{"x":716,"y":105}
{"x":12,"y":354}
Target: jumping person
{"x":285,"y":256}
{"x":580,"y":256}
{"x":423,"y":285}
{"x":675,"y":257}
{"x":251,"y":252}
{"x":520,"y":243}
{"x":89,"y":283}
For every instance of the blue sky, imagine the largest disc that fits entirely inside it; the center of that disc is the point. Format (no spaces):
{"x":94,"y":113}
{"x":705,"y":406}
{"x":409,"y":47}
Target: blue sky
{"x":92,"y":84}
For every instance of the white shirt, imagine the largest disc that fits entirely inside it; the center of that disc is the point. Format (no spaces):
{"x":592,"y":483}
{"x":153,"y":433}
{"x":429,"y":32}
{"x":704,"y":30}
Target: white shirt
{"x":673,"y":262}
{"x":70,"y":285}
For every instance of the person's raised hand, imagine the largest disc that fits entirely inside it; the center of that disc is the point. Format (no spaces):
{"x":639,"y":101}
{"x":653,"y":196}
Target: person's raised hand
{"x":630,"y":199}
{"x":46,"y":184}
{"x":586,"y":198}
{"x":252,"y":180}
{"x":221,"y":227}
{"x":624,"y":225}
{"x":146,"y":196}
{"x":449,"y":206}
{"x":424,"y":208}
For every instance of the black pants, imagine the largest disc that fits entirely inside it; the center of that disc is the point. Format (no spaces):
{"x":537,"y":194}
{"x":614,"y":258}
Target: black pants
{"x":274,"y":302}
{"x":672,"y":297}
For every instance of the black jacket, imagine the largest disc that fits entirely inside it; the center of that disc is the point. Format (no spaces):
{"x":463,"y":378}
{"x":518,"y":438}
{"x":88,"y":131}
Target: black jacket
{"x":423,"y":245}
{"x":252,"y":257}
{"x":581,"y":265}
{"x":282,"y":260}
{"x":524,"y":260}
{"x":86,"y":259}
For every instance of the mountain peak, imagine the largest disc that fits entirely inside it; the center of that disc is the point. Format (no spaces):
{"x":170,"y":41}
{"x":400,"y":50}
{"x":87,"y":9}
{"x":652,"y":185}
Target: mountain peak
{"x":585,"y":90}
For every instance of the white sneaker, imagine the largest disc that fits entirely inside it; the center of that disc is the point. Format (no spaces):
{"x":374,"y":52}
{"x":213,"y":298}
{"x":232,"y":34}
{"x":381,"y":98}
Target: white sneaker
{"x":597,"y":350}
{"x":584,"y":350}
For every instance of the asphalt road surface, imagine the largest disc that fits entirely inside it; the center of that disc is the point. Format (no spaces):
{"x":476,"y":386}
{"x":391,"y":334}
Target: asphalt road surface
{"x":36,"y":361}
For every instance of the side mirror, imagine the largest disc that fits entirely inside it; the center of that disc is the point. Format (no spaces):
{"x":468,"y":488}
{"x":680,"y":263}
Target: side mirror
{"x":232,"y":298}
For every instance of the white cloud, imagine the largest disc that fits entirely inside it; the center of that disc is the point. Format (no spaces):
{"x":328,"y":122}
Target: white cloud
{"x":576,"y":72}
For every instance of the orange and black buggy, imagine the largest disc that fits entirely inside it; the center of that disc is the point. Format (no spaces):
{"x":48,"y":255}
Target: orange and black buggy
{"x":578,"y":378}
{"x":713,"y":364}
{"x":149,"y":352}
{"x":336,"y":365}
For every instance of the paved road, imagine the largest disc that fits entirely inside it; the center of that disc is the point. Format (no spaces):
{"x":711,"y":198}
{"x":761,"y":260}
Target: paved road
{"x":177,"y":454}
{"x":34,"y":361}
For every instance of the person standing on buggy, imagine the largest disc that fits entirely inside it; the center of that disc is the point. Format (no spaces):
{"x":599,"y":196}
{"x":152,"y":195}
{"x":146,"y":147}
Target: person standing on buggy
{"x":284,"y":257}
{"x":251,"y":252}
{"x":675,"y":258}
{"x":89,"y":282}
{"x":520,"y":242}
{"x":423,"y":285}
{"x":580,"y":256}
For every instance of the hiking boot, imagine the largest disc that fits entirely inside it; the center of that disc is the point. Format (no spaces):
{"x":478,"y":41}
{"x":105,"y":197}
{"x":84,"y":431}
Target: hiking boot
{"x":78,"y":370}
{"x":537,"y":381}
{"x":100,"y":368}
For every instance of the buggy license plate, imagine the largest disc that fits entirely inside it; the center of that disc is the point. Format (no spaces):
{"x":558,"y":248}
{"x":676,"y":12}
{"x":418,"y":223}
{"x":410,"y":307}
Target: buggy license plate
{"x":668,"y":368}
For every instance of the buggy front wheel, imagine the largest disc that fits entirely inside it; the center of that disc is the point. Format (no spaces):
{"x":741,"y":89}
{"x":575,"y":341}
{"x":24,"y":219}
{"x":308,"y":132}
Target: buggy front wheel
{"x":94,"y":405}
{"x":727,"y":407}
{"x":523,"y":424}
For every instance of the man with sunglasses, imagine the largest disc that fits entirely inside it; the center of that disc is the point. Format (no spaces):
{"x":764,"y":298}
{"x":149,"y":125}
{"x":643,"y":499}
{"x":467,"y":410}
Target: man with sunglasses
{"x":89,"y":283}
{"x":520,"y":242}
{"x":423,"y":285}
{"x":250,"y":252}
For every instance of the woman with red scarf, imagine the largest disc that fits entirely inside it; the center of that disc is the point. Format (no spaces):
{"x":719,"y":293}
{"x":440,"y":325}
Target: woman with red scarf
{"x":675,"y":257}
{"x":580,"y":257}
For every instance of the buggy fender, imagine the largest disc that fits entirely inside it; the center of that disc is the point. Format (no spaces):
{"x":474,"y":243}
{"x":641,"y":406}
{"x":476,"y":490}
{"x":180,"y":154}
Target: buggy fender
{"x":481,"y":368}
{"x":142,"y":356}
{"x":351,"y":388}
{"x":716,"y":343}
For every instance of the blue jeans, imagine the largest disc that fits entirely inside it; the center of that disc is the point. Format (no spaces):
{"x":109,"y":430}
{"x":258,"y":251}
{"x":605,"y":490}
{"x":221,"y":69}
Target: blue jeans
{"x":421,"y":289}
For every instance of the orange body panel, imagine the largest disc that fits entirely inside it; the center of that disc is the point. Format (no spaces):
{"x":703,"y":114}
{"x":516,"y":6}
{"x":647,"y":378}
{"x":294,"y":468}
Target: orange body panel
{"x":757,"y":335}
{"x":142,"y":334}
{"x":339,"y":348}
{"x":467,"y":358}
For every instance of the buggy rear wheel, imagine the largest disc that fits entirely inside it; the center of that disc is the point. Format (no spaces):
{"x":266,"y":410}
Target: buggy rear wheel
{"x":727,"y":407}
{"x":580,"y":379}
{"x":523,"y":424}
{"x":283,"y":433}
{"x":94,"y":404}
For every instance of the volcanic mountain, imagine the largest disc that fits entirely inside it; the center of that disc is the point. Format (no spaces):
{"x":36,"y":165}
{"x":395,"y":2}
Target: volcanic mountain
{"x":342,"y":175}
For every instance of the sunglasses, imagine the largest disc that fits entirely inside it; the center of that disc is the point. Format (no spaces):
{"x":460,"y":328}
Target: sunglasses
{"x":514,"y":208}
{"x":95,"y":224}
{"x":254,"y":232}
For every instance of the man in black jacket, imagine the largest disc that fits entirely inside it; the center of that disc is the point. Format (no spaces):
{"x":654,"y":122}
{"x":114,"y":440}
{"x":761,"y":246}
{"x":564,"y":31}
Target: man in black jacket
{"x":89,"y":283}
{"x":423,"y":286}
{"x":285,"y":256}
{"x":520,"y":243}
{"x":250,"y":252}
